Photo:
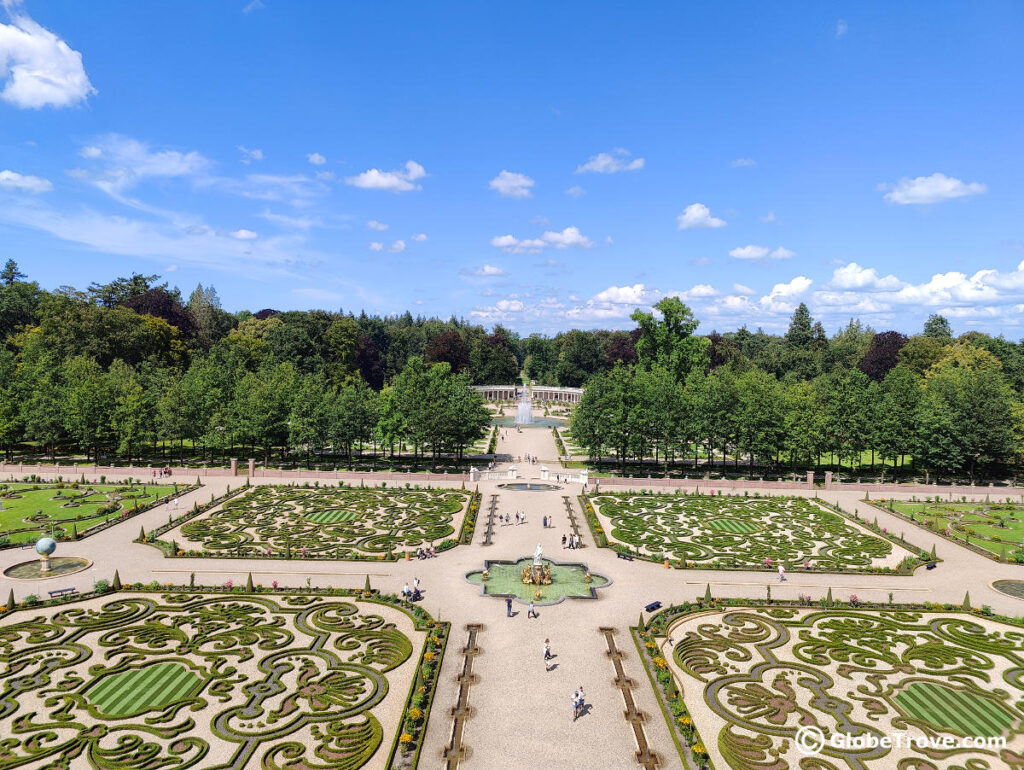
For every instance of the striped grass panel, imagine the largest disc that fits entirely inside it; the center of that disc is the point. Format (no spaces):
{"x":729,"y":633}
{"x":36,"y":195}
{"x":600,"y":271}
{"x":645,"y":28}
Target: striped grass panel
{"x":333,"y":517}
{"x":734,"y":526}
{"x":141,"y":689}
{"x":949,"y":709}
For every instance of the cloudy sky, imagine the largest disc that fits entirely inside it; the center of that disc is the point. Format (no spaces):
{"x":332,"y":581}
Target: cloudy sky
{"x":546,"y":166}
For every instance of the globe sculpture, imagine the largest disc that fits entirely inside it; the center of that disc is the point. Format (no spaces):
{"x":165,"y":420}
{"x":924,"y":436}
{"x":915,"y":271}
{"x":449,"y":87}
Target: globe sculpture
{"x":45,"y":546}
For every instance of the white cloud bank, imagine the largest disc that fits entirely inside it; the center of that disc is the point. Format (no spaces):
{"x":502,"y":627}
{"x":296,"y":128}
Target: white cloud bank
{"x":564,"y":239}
{"x":37,"y":68}
{"x":12,"y":180}
{"x":399,"y":180}
{"x":757,"y":253}
{"x":930,"y":189}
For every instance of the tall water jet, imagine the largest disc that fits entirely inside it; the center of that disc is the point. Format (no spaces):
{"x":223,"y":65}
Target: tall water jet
{"x":524,"y":412}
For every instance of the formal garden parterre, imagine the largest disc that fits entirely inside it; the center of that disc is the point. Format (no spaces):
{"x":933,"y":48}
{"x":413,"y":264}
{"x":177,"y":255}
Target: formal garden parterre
{"x":67,"y":510}
{"x":327,"y":523}
{"x":738,"y":682}
{"x":726,"y":532}
{"x":227,"y":679}
{"x":995,"y":528}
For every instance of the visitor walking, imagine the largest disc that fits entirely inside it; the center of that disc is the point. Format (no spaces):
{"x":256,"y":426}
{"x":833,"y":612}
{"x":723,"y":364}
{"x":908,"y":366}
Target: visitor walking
{"x":564,"y":538}
{"x":547,"y":654}
{"x":782,"y":574}
{"x":508,"y":606}
{"x":544,"y":523}
{"x":532,"y":612}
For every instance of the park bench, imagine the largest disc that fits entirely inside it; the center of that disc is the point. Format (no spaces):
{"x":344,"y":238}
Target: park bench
{"x":930,"y":565}
{"x":652,"y":607}
{"x":625,"y":556}
{"x":62,"y":592}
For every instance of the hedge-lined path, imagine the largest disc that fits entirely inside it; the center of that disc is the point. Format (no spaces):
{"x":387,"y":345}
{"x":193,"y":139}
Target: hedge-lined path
{"x":520,"y":713}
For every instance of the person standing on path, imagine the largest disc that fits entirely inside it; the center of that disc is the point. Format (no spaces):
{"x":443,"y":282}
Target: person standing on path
{"x":563,"y":540}
{"x":547,"y":654}
{"x":532,"y":612}
{"x":544,"y":522}
{"x":782,"y":573}
{"x":508,"y":606}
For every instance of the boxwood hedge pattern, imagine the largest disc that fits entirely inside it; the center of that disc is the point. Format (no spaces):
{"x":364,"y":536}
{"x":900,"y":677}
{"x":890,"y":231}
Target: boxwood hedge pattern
{"x":322,"y":522}
{"x":765,"y":673}
{"x":186,"y":680}
{"x":742,"y":532}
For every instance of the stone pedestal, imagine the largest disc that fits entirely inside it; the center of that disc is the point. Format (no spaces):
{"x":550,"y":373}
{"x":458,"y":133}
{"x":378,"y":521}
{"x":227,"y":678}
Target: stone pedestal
{"x":545,"y":474}
{"x":810,"y":479}
{"x":234,"y":466}
{"x":474,"y":474}
{"x":585,"y":476}
{"x":828,"y":479}
{"x":252,"y":467}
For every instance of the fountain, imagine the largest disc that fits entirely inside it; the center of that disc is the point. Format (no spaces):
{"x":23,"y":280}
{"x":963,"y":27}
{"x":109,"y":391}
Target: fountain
{"x":45,"y":547}
{"x":524,"y":412}
{"x":538,"y":573}
{"x":45,"y":566}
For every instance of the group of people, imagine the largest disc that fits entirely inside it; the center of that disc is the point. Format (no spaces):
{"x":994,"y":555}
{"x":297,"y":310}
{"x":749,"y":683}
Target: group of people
{"x":528,"y":458}
{"x":165,"y":471}
{"x":520,"y":518}
{"x":574,"y":541}
{"x":577,"y":703}
{"x":426,"y":553}
{"x":412,"y":594}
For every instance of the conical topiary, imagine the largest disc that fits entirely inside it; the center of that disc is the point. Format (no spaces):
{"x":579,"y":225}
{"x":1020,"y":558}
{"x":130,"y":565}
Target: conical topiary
{"x":1002,"y":553}
{"x":828,"y":597}
{"x":967,"y":602}
{"x":933,"y":552}
{"x":74,"y":532}
{"x":640,"y":624}
{"x":10,"y":600}
{"x":142,"y":534}
{"x":707,"y":594}
{"x":248,"y":584}
{"x":116,"y":583}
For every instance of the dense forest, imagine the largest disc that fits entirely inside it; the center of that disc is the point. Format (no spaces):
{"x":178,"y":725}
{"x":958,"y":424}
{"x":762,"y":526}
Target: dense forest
{"x":133,"y":368}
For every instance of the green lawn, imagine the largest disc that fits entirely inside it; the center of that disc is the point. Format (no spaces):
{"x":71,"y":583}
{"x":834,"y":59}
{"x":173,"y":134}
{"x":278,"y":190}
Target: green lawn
{"x":31,"y":510}
{"x":993,"y":526}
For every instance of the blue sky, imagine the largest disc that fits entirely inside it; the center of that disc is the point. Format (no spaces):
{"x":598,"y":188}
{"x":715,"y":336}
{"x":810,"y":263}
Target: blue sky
{"x":542,"y":165}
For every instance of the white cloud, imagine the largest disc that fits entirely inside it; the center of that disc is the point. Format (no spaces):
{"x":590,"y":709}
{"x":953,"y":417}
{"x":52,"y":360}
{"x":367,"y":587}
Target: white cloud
{"x":740,"y":288}
{"x":769,"y":217}
{"x":397,"y":246}
{"x":316,"y":159}
{"x":254,"y":5}
{"x":611,"y":163}
{"x":512,"y":185}
{"x":127,"y":161}
{"x":931,"y":189}
{"x":376,"y":246}
{"x":373,"y":224}
{"x":299,"y":223}
{"x":697,"y":215}
{"x":569,"y":237}
{"x":743,"y":163}
{"x":326,"y":176}
{"x":841,"y":27}
{"x":754,"y":253}
{"x":780,"y":299}
{"x":400,"y":180}
{"x":509,"y":305}
{"x":488,"y":271}
{"x":244,"y":235}
{"x":853,"y":276}
{"x":575,"y":191}
{"x":700,"y":262}
{"x":12,"y":180}
{"x":38,"y":69}
{"x":248,"y":156}
{"x":420,"y":237}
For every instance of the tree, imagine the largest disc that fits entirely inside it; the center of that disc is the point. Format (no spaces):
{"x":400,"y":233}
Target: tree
{"x":131,"y":416}
{"x":882,"y":354}
{"x":669,"y":340}
{"x":760,"y":415}
{"x":921,"y":353}
{"x":121,"y":289}
{"x":87,"y":404}
{"x":937,"y":328}
{"x":579,"y":357}
{"x":11,"y":273}
{"x":896,"y":414}
{"x":263,"y":402}
{"x":450,"y":348}
{"x":493,"y":361}
{"x":353,"y":415}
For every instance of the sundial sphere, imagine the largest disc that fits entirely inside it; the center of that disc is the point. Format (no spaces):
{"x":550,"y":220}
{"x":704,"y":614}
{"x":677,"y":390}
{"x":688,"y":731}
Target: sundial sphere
{"x":46,"y":546}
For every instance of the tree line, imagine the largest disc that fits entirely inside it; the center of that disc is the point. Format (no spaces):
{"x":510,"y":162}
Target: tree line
{"x":948,"y":406}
